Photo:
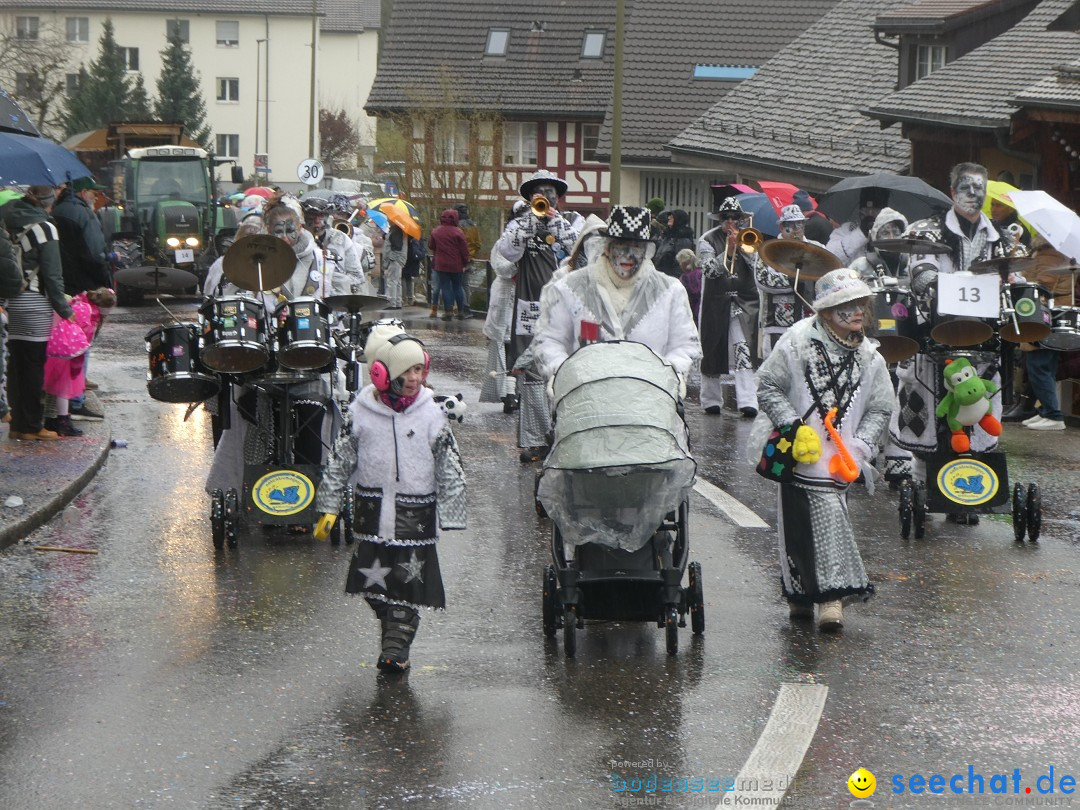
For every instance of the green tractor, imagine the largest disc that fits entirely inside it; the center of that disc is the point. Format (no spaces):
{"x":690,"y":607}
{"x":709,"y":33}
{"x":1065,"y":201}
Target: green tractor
{"x":166,"y":219}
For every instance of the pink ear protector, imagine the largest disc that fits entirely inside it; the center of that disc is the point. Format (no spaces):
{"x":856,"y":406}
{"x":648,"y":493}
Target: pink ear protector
{"x":380,"y":374}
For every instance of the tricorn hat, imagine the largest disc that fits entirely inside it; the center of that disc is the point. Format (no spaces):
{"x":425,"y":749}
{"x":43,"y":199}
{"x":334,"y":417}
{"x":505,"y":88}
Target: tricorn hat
{"x":543,"y":176}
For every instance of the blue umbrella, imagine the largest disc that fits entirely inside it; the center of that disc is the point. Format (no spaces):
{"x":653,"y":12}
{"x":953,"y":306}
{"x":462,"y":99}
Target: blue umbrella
{"x":13,"y":119}
{"x":27,"y":161}
{"x":765,"y":217}
{"x":380,"y":219}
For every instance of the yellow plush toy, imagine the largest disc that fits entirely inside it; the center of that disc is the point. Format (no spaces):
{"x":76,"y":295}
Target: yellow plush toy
{"x":807,"y":446}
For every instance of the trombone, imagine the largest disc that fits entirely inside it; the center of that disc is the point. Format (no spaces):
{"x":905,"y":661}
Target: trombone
{"x":747,"y":240}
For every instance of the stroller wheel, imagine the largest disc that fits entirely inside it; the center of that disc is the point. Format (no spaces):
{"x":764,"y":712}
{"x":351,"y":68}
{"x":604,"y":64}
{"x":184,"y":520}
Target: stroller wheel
{"x":1034,"y":512}
{"x":232,"y":518}
{"x":695,"y":596}
{"x":217,"y":519}
{"x":671,"y":624}
{"x":550,"y":608}
{"x":570,"y":631}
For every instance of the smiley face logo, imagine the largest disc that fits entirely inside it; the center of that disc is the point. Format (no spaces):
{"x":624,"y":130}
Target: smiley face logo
{"x":862,"y":784}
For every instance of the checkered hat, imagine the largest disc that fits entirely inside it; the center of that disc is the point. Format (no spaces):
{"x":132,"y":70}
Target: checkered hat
{"x":728,"y":206}
{"x":792,"y":213}
{"x":629,"y":223}
{"x":838,"y":287}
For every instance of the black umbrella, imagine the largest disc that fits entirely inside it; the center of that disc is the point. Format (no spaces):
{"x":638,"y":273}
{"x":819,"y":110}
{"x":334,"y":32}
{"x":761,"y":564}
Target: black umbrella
{"x":13,"y":119}
{"x":912,"y":197}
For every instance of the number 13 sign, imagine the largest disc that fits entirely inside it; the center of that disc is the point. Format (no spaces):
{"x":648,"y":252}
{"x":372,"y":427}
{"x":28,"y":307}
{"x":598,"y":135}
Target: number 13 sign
{"x":970,"y":295}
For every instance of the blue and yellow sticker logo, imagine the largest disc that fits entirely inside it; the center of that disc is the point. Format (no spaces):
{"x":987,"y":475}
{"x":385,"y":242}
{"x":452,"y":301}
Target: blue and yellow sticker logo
{"x":968,"y":482}
{"x":283,"y":492}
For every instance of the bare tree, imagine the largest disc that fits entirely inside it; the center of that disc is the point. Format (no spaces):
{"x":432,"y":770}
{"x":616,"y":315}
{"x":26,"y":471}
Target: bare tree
{"x":339,"y":140}
{"x":34,"y":69}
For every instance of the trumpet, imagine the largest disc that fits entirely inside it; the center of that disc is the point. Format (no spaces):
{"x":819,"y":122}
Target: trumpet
{"x":747,"y":240}
{"x":540,"y":207}
{"x":344,"y":226}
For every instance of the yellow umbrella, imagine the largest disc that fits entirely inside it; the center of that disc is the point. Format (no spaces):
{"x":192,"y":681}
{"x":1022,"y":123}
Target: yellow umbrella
{"x":400,"y":212}
{"x":997,"y":190}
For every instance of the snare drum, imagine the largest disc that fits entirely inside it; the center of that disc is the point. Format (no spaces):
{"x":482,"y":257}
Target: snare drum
{"x":304,"y":339}
{"x":1025,"y":313}
{"x":175,"y":374}
{"x":896,"y":324}
{"x":1064,"y":331}
{"x":233,"y":337}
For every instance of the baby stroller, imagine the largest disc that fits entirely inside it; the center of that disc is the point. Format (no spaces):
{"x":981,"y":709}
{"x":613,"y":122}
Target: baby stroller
{"x":616,"y":486}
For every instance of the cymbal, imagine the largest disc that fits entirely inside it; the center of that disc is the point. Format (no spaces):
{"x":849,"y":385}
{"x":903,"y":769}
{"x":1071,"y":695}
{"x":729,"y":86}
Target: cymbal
{"x":156,"y":278}
{"x":247,"y":256}
{"x":788,"y":255}
{"x":910,"y":244}
{"x":1061,"y":268}
{"x":356,"y":303}
{"x":1004,"y":265}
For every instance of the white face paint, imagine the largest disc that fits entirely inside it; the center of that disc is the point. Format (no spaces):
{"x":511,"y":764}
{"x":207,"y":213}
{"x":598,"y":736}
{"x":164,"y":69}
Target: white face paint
{"x":626,"y":257}
{"x":846,"y":318}
{"x":286,"y":228}
{"x":890,"y":230}
{"x":970,"y":194}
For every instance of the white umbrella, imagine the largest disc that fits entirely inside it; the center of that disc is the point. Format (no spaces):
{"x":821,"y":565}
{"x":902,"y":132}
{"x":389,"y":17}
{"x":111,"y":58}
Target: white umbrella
{"x":1056,"y":223}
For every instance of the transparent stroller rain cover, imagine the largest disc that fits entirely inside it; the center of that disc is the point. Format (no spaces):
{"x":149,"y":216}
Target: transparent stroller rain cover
{"x":621,"y":459}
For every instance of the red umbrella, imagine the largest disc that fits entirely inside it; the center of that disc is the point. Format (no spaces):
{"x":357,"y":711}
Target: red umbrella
{"x":779,"y":194}
{"x":261,"y":191}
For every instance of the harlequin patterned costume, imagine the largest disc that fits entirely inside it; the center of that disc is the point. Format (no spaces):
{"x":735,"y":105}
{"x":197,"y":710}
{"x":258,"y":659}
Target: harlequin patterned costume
{"x":407,"y":479}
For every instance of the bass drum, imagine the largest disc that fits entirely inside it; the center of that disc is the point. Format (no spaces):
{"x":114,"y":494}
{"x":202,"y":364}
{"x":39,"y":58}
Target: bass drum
{"x":176,"y":374}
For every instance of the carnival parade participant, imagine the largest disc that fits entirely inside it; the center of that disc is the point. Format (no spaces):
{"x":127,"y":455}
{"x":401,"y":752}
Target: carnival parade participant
{"x":848,"y":241}
{"x":876,"y":264}
{"x":821,"y":365}
{"x":497,"y":385}
{"x":337,"y":247}
{"x":252,"y":436}
{"x":529,"y":242}
{"x":620,"y":295}
{"x":402,"y":462}
{"x":729,"y":312}
{"x":971,"y":237}
{"x":781,"y":307}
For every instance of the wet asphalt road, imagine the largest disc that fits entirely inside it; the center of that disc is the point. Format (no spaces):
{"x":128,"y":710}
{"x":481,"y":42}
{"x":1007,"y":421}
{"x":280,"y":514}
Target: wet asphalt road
{"x":162,"y":674}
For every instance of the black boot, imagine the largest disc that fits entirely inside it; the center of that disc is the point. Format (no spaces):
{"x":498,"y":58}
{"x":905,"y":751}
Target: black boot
{"x":398,"y":628}
{"x":510,"y":403}
{"x":1023,"y":409}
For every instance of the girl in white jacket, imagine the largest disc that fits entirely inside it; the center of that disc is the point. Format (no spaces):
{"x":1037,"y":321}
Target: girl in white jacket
{"x":402,"y":463}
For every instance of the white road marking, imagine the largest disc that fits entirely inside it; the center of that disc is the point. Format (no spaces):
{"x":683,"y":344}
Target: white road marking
{"x":770,"y":770}
{"x":739,"y":513}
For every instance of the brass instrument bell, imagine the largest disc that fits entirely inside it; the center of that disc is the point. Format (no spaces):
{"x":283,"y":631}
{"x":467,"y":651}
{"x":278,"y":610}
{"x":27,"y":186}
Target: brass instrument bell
{"x":540,"y":207}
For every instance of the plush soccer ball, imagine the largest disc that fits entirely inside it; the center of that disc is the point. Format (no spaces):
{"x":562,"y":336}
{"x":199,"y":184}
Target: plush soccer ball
{"x":453,"y":407}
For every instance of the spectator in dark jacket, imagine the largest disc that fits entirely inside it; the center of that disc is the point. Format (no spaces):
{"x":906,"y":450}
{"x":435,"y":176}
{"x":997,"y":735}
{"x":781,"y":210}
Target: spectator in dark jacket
{"x":82,"y":251}
{"x":678,"y":235}
{"x":450,"y":258}
{"x":82,"y":241}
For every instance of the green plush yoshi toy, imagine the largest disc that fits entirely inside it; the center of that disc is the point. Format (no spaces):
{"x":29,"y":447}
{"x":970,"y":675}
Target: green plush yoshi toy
{"x":967,"y":403}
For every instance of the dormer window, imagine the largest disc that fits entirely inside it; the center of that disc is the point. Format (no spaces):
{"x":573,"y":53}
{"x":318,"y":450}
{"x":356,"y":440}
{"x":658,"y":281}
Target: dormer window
{"x":928,"y":58}
{"x":592,"y":45}
{"x":497,"y":42}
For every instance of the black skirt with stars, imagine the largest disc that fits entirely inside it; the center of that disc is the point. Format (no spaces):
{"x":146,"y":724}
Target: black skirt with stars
{"x":403,"y":570}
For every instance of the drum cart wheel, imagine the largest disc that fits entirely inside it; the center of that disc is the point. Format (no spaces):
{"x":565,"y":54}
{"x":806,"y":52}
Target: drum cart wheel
{"x":570,"y":631}
{"x":1034,"y":512}
{"x":906,"y":507}
{"x":695,"y":596}
{"x":540,"y":510}
{"x":232,"y":518}
{"x":217,"y":519}
{"x":918,"y":511}
{"x":671,"y":625}
{"x":1019,"y":511}
{"x":550,"y":602}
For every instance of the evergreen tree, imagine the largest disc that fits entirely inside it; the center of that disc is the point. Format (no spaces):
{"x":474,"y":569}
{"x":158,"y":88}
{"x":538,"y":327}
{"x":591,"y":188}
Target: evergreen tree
{"x":179,"y":92}
{"x":104,"y":93}
{"x":139,"y":107}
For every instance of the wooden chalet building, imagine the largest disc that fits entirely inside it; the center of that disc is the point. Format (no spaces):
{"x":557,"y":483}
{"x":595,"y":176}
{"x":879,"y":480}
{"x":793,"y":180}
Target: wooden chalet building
{"x":485,"y":93}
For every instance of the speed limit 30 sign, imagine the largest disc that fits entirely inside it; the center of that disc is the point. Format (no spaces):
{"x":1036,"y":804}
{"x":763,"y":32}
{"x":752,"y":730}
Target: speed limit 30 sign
{"x":310,"y":171}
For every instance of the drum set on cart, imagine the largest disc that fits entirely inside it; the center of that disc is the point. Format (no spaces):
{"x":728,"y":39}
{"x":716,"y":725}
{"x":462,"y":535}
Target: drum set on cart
{"x":259,"y":346}
{"x":967,"y":319}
